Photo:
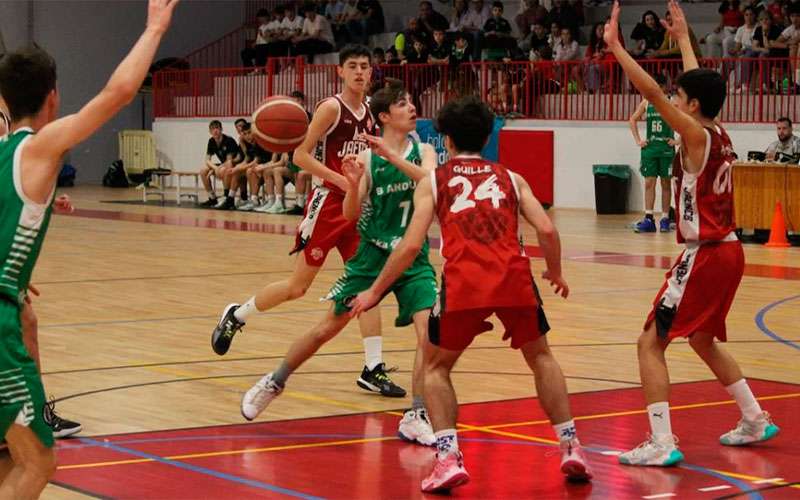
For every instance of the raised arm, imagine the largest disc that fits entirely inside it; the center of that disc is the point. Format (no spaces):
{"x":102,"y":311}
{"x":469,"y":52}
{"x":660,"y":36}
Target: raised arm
{"x":634,"y":123}
{"x":679,"y":31}
{"x":41,"y":156}
{"x":324,"y":118}
{"x":405,"y":252}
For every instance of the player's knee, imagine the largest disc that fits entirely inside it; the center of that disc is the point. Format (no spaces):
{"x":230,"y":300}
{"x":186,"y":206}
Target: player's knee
{"x":297,"y":290}
{"x":647,"y":341}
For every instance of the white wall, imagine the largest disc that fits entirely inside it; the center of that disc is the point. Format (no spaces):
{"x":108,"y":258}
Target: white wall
{"x":578,"y":146}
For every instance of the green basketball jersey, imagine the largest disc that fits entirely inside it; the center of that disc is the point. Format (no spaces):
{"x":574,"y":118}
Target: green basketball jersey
{"x":24,"y":223}
{"x":387,"y":209}
{"x":658,"y":132}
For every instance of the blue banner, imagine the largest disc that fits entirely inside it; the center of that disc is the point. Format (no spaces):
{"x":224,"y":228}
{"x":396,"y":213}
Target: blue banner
{"x":429,"y":134}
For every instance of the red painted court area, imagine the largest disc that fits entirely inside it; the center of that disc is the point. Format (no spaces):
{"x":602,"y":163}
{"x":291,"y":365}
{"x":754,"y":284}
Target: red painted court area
{"x":508,"y":447}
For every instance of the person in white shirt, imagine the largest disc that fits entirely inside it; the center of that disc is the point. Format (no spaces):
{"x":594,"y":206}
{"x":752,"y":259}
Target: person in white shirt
{"x":258,"y":53}
{"x":316,"y":36}
{"x":743,"y":47}
{"x":290,"y":27}
{"x":790,"y":37}
{"x":472,"y":25}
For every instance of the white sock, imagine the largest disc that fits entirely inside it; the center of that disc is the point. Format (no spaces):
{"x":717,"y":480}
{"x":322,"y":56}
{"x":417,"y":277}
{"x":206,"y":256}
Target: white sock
{"x":301,"y":200}
{"x":741,"y":392}
{"x":661,"y":427}
{"x":246,"y":310}
{"x":279,"y":198}
{"x":648,"y":212}
{"x":373,"y":351}
{"x":446,"y":442}
{"x":254,"y":199}
{"x":565,"y":430}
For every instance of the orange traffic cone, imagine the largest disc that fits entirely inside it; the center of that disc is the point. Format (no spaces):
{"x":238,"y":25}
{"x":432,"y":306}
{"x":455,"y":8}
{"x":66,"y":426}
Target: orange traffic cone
{"x":777,"y":233}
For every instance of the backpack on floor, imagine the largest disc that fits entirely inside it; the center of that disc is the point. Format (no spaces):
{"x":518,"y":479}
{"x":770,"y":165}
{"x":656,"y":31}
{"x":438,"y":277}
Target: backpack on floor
{"x":115,"y":176}
{"x":66,"y":178}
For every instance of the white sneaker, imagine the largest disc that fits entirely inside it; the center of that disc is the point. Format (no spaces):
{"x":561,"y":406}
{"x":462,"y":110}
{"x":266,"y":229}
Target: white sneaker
{"x":221,"y":202}
{"x":746,"y":432}
{"x":654,"y":452}
{"x":416,"y":428}
{"x":247,"y":207}
{"x":260,"y":396}
{"x":573,"y":461}
{"x":266,"y":206}
{"x":276,"y":208}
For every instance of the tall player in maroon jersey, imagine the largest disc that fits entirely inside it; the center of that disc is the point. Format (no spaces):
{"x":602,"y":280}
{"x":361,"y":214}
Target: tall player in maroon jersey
{"x":486,"y":272}
{"x":339,"y":122}
{"x":700,"y":287}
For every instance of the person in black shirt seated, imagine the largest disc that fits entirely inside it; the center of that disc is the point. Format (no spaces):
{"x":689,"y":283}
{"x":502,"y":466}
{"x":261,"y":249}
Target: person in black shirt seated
{"x":251,"y":155}
{"x":220,"y":154}
{"x":648,"y":35}
{"x":439,"y":50}
{"x":497,"y":34}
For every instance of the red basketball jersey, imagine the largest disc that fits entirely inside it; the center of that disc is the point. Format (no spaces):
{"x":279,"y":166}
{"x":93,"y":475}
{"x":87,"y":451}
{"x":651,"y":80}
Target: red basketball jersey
{"x":342,"y":138}
{"x":477,"y":202}
{"x":704,"y":201}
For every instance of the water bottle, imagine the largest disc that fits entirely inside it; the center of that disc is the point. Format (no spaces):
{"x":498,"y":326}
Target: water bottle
{"x":785,"y":86}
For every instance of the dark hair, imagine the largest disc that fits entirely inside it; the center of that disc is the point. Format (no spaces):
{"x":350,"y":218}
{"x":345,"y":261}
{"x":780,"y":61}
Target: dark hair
{"x":262,"y":13}
{"x":498,"y":4}
{"x":660,"y":79}
{"x":238,"y":121}
{"x":426,"y":2}
{"x":247,"y":126}
{"x":707,"y":86}
{"x":467,"y":122}
{"x":298,"y":95}
{"x":27,"y":76}
{"x":381,"y":101}
{"x":215,"y":124}
{"x":784,"y":119}
{"x":353,"y":51}
{"x":596,"y":42}
{"x":461,"y":35}
{"x":378,"y":51}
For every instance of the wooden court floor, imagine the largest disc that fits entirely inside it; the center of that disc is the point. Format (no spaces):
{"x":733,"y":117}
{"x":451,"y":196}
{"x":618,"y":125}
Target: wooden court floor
{"x":131,"y":293}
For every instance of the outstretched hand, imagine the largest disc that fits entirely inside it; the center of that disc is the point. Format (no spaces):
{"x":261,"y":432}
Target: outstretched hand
{"x":363,"y":302}
{"x":159,"y":14}
{"x":377,"y":144}
{"x":558,"y":283}
{"x":611,"y":30}
{"x":678,"y":28}
{"x":353,"y":169}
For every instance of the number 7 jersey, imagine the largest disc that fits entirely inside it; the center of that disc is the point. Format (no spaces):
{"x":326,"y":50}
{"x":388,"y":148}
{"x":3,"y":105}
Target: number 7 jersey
{"x":477,"y":203}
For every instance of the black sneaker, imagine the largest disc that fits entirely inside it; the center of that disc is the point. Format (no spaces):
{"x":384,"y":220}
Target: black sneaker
{"x":211,"y":202}
{"x":61,"y":427}
{"x":376,"y":380}
{"x":230,"y":204}
{"x":225,"y":330}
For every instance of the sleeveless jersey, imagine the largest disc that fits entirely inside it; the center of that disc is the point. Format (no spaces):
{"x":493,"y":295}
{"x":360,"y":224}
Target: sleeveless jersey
{"x":23,"y":225}
{"x":342,"y":138}
{"x":658,"y":132}
{"x":704,"y":201}
{"x":477,"y":203}
{"x":388,"y":207}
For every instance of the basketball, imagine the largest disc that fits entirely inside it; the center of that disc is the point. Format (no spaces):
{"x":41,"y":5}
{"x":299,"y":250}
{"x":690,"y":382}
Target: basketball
{"x":280,"y":124}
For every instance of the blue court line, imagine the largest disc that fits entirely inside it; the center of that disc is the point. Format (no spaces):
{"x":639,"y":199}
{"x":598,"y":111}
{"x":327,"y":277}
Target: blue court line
{"x":761,"y":324}
{"x":202,"y":470}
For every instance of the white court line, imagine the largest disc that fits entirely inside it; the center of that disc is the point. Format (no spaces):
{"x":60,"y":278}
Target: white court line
{"x":660,"y":495}
{"x":771,"y":480}
{"x":714,"y":488}
{"x":611,"y":453}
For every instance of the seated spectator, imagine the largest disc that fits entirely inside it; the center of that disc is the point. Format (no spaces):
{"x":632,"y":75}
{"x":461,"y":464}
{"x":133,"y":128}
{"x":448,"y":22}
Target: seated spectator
{"x":263,"y":172}
{"x":554,"y":36}
{"x":333,"y":9}
{"x":220,"y":153}
{"x":459,"y":14}
{"x":497,"y":34}
{"x":464,"y":80}
{"x":743,"y":47}
{"x":472,"y":26}
{"x":564,"y":14}
{"x":393,"y":56}
{"x":258,"y":53}
{"x":532,"y":13}
{"x":291,"y":26}
{"x":567,"y":50}
{"x":236,"y":176}
{"x":418,"y":53}
{"x":790,"y":37}
{"x":351,"y":21}
{"x":669,"y":48}
{"x":402,"y":42}
{"x":721,"y":40}
{"x":596,"y":58}
{"x":431,"y":20}
{"x":439,"y":50}
{"x":316,"y":36}
{"x":787,"y":143}
{"x":765,"y":44}
{"x":540,"y":49}
{"x":335,"y":14}
{"x":648,"y":35}
{"x":368,"y":22}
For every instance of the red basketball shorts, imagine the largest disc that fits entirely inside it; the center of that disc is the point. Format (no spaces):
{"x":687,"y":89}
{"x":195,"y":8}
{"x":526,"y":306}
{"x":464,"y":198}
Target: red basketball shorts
{"x":324,"y":228}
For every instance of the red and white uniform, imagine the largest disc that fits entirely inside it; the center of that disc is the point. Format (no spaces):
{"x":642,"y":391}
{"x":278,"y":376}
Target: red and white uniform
{"x":485,"y":270}
{"x":324,"y":227}
{"x":701,"y":285}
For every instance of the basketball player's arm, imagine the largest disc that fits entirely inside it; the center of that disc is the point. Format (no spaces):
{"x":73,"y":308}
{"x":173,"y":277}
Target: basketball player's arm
{"x":323,"y":119}
{"x":413,"y":172}
{"x":634,"y":123}
{"x":546,"y":233}
{"x":405,"y":252}
{"x":679,"y":30}
{"x":353,"y":169}
{"x":692,"y":132}
{"x":41,"y":156}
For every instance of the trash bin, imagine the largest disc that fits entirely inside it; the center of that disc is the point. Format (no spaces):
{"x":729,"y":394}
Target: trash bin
{"x":611,"y":188}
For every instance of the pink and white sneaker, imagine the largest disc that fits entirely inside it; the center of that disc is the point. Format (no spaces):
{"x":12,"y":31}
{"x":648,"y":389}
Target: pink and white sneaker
{"x":448,"y":473}
{"x":573,"y":461}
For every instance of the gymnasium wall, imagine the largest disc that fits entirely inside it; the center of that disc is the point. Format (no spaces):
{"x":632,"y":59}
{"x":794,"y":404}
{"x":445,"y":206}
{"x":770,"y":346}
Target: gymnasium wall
{"x":88,"y":38}
{"x":577,"y":146}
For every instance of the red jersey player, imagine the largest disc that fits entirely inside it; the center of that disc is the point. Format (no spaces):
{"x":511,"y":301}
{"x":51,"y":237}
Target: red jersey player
{"x":339,"y":123}
{"x":486,"y":272}
{"x":700,"y":287}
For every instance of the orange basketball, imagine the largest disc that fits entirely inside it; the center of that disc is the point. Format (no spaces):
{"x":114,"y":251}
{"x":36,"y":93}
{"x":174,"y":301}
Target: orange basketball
{"x":280,"y":124}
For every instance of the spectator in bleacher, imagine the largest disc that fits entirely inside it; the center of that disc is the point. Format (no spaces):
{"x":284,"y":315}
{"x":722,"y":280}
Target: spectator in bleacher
{"x":418,"y":53}
{"x":316,"y":37}
{"x":220,"y":153}
{"x":236,"y":176}
{"x":430,"y":19}
{"x":464,"y":81}
{"x":597,"y":59}
{"x":459,"y":14}
{"x":258,"y":53}
{"x":333,"y":9}
{"x":565,"y":15}
{"x":721,"y":40}
{"x":554,"y":36}
{"x":775,"y":8}
{"x":540,"y":49}
{"x":497,"y":34}
{"x":335,"y":14}
{"x":532,"y":13}
{"x":743,"y":47}
{"x":290,"y":26}
{"x":369,"y":21}
{"x":765,"y":38}
{"x":349,"y":20}
{"x":669,"y":48}
{"x":439,"y":50}
{"x":790,"y":37}
{"x":403,"y":40}
{"x":787,"y":143}
{"x":378,"y":76}
{"x":472,"y":27}
{"x":393,"y":56}
{"x":566,"y":48}
{"x":648,"y":35}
